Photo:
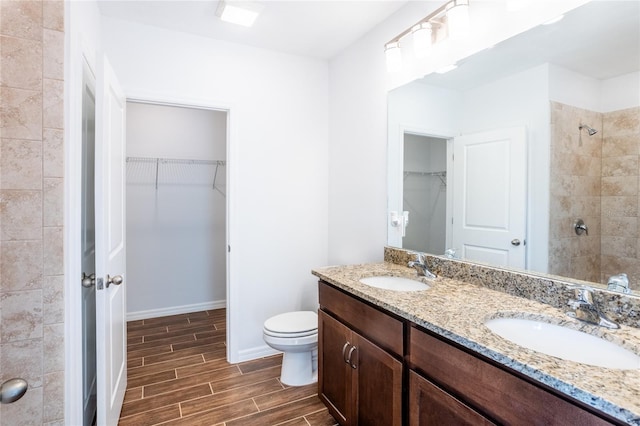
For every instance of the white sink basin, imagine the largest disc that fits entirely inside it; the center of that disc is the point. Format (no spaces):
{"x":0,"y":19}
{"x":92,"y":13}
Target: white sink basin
{"x":394,"y":283}
{"x":565,"y":343}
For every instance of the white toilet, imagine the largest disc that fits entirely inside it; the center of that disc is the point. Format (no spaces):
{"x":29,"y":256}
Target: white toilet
{"x":295,"y":334}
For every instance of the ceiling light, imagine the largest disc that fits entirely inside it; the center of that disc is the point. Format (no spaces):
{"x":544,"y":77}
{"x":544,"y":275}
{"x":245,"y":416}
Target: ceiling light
{"x":393,"y":55}
{"x":458,"y":19}
{"x":421,"y":39}
{"x":238,"y":12}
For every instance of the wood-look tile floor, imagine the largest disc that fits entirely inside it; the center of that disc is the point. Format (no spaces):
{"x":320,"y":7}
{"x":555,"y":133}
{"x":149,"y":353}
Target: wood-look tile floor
{"x":178,"y":375}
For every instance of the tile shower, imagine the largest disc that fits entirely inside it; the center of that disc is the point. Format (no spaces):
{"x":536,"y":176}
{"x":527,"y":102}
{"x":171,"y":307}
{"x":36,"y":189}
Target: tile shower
{"x":595,"y":178}
{"x":31,"y":208}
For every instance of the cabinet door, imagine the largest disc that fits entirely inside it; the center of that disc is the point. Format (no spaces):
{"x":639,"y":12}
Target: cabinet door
{"x":430,"y":405}
{"x":377,"y":379}
{"x":334,"y":374}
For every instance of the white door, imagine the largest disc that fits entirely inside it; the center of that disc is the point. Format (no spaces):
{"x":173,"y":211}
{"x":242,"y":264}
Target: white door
{"x":111,"y":337}
{"x":490,"y":195}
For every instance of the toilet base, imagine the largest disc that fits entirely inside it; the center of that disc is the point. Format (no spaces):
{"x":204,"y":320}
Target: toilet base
{"x":299,"y":368}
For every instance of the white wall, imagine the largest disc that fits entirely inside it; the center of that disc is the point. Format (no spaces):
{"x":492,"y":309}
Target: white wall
{"x":277,"y":159}
{"x":621,"y":92}
{"x":358,"y":142}
{"x":176,"y":241}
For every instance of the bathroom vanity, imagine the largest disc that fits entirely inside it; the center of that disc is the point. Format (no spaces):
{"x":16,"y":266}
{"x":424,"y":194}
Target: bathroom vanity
{"x":426,"y":357}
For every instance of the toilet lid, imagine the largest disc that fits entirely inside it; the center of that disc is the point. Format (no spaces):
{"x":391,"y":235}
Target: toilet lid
{"x":292,"y":322}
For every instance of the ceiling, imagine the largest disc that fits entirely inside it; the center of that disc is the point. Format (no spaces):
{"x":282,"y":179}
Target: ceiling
{"x":316,"y":28}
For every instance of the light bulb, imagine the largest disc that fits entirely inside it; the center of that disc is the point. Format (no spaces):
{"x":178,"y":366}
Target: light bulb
{"x":458,"y":19}
{"x":421,"y":39}
{"x":394,"y":57}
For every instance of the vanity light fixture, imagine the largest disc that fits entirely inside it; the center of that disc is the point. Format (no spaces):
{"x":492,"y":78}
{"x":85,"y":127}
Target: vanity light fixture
{"x":458,"y":19}
{"x":393,"y":55}
{"x":422,"y":39}
{"x":238,"y":12}
{"x":453,"y":15}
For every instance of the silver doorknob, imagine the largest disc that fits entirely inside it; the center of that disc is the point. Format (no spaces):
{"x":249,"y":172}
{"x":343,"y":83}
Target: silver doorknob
{"x":515,"y":242}
{"x":12,"y":390}
{"x":115,"y":280}
{"x":88,"y":280}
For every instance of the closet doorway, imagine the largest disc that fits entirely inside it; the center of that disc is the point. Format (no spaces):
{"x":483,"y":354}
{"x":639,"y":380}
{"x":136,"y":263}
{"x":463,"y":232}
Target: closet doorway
{"x":176,"y":188}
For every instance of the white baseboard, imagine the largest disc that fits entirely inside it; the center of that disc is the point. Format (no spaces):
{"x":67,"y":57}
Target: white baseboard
{"x":175,"y":310}
{"x":256,"y":352}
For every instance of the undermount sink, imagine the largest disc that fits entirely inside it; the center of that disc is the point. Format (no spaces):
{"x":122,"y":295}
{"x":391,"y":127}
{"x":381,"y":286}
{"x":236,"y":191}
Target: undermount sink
{"x":563,"y":342}
{"x":394,"y":283}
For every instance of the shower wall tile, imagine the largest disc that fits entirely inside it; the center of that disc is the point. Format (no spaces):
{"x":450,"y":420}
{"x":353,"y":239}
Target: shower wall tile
{"x":53,"y":54}
{"x":21,"y":63}
{"x":21,"y":215}
{"x":53,"y":104}
{"x":23,"y":359}
{"x":21,"y":265}
{"x":618,"y":146}
{"x":620,"y":226}
{"x":53,"y":299}
{"x":31,"y":207}
{"x":53,"y":201}
{"x":30,"y":409}
{"x":620,"y":166}
{"x":53,"y":391}
{"x":53,"y":14}
{"x":619,"y":185}
{"x":20,"y":113}
{"x":54,"y":348}
{"x":620,"y":246}
{"x":53,"y":251}
{"x":53,"y":152}
{"x":21,"y":316}
{"x":20,"y":164}
{"x":619,"y":206}
{"x":21,"y":19}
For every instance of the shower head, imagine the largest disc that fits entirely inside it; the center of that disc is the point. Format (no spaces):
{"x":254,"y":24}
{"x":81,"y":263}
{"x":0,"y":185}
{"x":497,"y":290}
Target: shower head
{"x":591,"y":130}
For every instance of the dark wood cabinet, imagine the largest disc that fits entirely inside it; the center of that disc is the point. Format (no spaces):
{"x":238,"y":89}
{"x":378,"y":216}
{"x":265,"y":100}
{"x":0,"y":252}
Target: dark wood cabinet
{"x":364,"y":351}
{"x":431,"y":406}
{"x":360,"y":382}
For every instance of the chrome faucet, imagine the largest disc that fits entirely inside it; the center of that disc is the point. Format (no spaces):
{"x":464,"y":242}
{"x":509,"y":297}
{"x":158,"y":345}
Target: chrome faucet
{"x":586,"y":310}
{"x":421,"y":267}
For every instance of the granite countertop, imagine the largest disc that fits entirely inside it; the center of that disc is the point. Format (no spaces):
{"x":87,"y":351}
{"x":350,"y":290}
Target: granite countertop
{"x":457,"y":310}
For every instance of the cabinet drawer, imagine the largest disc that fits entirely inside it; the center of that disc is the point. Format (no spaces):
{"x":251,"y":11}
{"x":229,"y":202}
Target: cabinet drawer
{"x":380,"y":328}
{"x":498,"y":393}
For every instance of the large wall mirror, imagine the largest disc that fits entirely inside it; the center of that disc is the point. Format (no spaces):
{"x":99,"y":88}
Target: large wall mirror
{"x":524,"y":140}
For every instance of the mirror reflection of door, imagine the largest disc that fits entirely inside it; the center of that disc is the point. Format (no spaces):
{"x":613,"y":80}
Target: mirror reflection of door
{"x":424,"y":193}
{"x":88,"y":249}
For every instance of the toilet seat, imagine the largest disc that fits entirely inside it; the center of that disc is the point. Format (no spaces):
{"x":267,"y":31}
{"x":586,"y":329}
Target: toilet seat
{"x":292,"y":324}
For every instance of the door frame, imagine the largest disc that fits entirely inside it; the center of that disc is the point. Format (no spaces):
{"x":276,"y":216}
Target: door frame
{"x":395,"y":167}
{"x":81,"y":52}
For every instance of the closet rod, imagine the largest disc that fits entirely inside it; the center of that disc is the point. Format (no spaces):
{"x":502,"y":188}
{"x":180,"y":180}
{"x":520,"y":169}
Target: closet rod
{"x":175,"y":161}
{"x":157,"y":161}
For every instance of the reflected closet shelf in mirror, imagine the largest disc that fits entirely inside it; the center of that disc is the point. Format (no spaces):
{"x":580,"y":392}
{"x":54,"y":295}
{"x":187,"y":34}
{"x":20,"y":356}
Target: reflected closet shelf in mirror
{"x":442,"y":175}
{"x":176,"y":171}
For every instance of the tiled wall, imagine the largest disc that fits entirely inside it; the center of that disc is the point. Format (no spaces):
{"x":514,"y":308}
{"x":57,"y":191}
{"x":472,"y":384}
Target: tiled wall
{"x":620,"y":234}
{"x":595,"y":178}
{"x":575,"y":192}
{"x":31,"y":208}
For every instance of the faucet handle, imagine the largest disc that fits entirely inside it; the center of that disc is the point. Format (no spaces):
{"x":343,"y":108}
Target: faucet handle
{"x":583,"y":293}
{"x":419,"y":257}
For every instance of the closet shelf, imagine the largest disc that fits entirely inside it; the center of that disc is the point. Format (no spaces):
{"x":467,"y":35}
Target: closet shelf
{"x":441,"y":175}
{"x":176,"y":171}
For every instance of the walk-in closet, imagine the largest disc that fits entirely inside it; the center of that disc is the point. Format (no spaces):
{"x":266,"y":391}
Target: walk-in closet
{"x":176,"y":209}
